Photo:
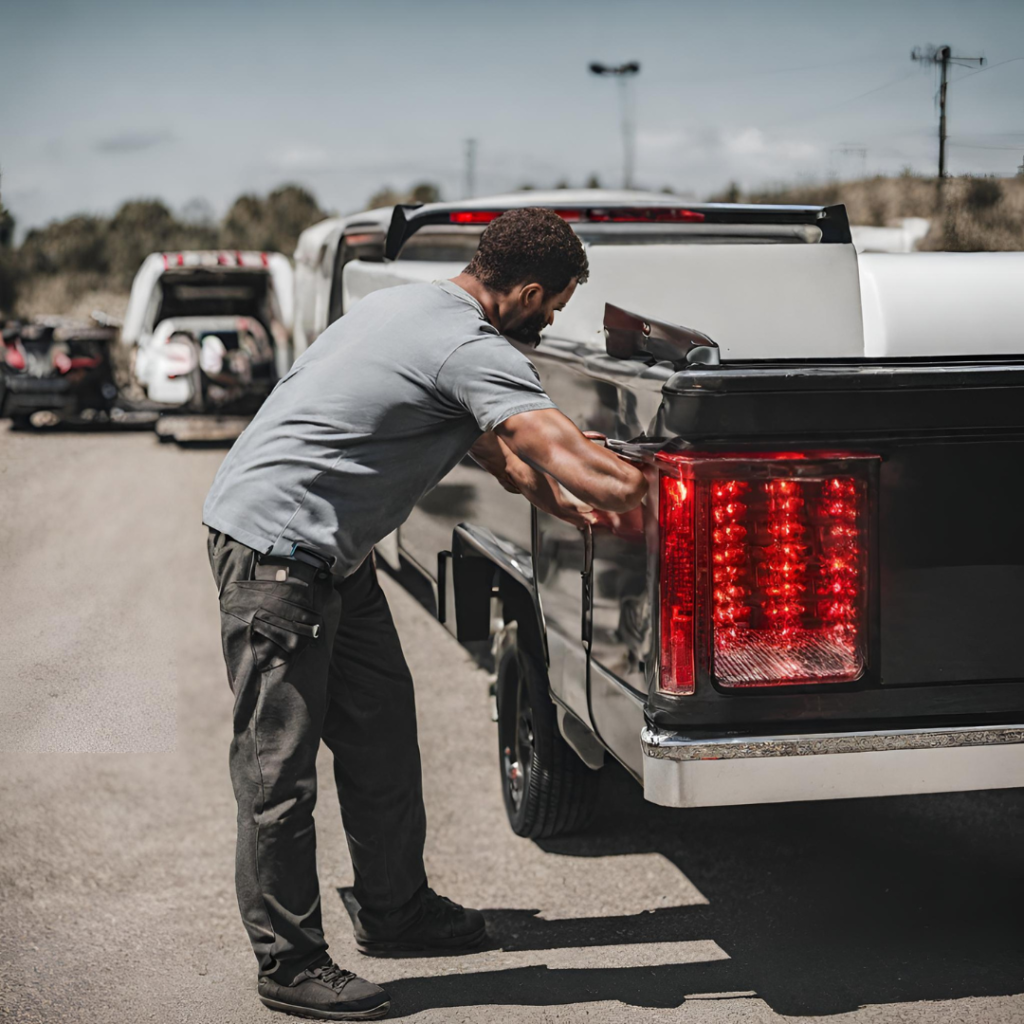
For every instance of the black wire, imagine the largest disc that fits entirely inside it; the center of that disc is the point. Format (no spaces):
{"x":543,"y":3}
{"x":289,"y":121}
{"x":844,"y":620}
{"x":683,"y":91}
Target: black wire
{"x":990,"y":67}
{"x":971,"y":145}
{"x":851,"y":99}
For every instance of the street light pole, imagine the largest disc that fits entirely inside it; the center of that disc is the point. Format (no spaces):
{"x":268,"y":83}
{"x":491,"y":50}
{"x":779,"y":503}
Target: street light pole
{"x":470,"y":189}
{"x":622,"y":74}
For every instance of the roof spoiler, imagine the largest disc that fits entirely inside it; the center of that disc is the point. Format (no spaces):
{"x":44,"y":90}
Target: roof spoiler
{"x":400,"y":229}
{"x":832,"y":221}
{"x":629,"y":336}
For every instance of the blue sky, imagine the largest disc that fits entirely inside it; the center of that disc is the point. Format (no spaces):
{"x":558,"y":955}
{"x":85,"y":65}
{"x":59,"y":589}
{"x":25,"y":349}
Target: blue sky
{"x":105,"y":101}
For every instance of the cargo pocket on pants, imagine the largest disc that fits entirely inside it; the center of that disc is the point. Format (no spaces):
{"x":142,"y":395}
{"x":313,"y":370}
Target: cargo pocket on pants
{"x":276,"y":640}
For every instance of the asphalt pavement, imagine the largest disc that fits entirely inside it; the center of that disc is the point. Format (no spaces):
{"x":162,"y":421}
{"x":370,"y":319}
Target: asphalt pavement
{"x":116,"y":844}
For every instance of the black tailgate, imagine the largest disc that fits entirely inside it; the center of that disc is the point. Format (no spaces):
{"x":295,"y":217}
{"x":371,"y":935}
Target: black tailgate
{"x":949,"y":534}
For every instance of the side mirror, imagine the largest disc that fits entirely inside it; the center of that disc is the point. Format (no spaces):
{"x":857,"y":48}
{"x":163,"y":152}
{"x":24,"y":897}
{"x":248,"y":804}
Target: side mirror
{"x":628,"y":336}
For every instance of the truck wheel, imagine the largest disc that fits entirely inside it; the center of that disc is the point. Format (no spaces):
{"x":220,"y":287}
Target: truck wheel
{"x":548,"y":790}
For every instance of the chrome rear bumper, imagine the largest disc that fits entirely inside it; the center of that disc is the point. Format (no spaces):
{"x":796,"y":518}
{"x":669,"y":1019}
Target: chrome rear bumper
{"x":688,"y":771}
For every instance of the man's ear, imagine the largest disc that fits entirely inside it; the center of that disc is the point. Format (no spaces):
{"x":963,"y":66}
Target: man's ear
{"x":532,"y":295}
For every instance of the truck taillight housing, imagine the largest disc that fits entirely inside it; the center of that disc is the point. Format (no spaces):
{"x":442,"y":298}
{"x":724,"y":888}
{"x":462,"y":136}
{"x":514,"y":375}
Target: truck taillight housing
{"x":764,"y":569}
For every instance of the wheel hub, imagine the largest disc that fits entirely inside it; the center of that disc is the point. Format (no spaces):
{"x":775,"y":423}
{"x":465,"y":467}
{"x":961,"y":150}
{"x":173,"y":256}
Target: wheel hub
{"x":518,"y":761}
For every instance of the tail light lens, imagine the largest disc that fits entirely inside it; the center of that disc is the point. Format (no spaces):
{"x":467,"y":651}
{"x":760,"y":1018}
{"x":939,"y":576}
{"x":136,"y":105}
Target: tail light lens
{"x":13,"y":356}
{"x":764,"y":569}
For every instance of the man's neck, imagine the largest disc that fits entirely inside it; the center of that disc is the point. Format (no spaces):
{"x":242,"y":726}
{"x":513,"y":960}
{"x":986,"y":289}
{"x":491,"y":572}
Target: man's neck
{"x":487,"y":299}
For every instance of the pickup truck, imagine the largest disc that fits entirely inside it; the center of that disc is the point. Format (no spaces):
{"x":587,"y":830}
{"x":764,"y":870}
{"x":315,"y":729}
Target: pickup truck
{"x":321,"y":254}
{"x":822,"y":594}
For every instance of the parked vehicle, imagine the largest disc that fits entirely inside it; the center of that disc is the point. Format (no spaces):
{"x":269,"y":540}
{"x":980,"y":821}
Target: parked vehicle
{"x":254,"y":287}
{"x":56,"y":371}
{"x":821,"y":597}
{"x":209,"y":363}
{"x":321,"y":254}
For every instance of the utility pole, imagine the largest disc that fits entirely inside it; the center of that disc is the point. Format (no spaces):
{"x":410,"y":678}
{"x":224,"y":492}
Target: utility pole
{"x":943,"y":56}
{"x":622,"y":74}
{"x":470,"y":168}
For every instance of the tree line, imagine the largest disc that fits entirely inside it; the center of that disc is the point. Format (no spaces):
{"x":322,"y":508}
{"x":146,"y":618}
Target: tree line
{"x":87,"y":253}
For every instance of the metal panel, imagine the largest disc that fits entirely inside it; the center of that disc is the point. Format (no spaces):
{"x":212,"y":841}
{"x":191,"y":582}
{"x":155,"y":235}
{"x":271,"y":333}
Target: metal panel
{"x":559,"y":562}
{"x":618,"y":717}
{"x":756,"y":301}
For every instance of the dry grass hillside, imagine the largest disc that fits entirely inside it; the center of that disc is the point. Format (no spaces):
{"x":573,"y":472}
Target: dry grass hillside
{"x":968,"y":214}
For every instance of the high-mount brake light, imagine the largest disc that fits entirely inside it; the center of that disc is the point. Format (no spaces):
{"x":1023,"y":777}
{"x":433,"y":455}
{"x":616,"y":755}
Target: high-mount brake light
{"x":486,"y":216}
{"x":764,"y":569}
{"x":474,"y":216}
{"x":602,"y":215}
{"x":645,"y":215}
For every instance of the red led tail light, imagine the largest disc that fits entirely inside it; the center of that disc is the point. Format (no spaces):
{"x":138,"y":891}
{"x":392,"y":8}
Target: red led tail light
{"x":678,"y":579}
{"x":764,"y":569}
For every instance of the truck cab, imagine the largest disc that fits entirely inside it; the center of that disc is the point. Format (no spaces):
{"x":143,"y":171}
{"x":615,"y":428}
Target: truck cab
{"x":819,"y":597}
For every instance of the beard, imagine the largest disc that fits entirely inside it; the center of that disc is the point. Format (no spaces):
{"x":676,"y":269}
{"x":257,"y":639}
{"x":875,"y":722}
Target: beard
{"x":528,"y":332}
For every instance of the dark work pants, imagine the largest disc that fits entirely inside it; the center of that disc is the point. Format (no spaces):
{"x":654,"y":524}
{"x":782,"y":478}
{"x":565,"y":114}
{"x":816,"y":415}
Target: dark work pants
{"x":348,"y":685}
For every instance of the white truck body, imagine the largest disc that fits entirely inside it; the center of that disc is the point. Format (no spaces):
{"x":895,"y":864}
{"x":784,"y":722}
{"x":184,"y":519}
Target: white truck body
{"x":314,"y":266}
{"x":317,"y":255}
{"x":785,"y":301}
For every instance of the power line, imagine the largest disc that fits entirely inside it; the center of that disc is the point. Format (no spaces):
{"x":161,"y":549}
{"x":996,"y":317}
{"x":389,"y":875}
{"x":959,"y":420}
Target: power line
{"x":797,"y":69}
{"x":842,"y":103}
{"x":991,"y":67}
{"x":972,"y":145}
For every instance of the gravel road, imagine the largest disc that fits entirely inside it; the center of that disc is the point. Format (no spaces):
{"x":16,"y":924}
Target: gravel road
{"x":117,"y":841}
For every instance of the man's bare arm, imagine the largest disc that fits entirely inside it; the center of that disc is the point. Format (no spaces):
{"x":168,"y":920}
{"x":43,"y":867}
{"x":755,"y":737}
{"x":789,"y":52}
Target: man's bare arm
{"x":489,"y":453}
{"x":549,"y":441}
{"x":517,"y":477}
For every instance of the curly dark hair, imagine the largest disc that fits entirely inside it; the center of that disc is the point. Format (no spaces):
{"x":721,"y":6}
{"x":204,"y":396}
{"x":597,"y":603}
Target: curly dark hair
{"x":531,"y":244}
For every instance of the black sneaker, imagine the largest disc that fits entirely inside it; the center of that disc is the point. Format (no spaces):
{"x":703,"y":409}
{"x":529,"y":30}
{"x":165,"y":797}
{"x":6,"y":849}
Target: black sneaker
{"x":439,"y":925}
{"x":326,"y":992}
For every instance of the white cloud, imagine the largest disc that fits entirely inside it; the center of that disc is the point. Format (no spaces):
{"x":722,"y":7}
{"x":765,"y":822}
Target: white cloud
{"x":753,"y":142}
{"x":302,"y":159}
{"x":658,"y":142}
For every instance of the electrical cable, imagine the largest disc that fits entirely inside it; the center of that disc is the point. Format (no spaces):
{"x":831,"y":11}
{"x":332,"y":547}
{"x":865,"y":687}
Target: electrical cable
{"x":950,"y":140}
{"x":990,"y":67}
{"x":851,"y":99}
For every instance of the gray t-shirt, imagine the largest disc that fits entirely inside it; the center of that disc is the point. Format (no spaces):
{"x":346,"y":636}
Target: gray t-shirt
{"x":378,"y":409}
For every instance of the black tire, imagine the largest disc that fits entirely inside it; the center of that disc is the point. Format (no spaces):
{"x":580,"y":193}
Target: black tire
{"x":548,"y":790}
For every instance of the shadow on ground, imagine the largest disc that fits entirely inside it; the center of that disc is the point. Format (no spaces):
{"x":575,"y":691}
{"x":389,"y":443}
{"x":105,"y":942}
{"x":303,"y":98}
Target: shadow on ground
{"x":821,"y":907}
